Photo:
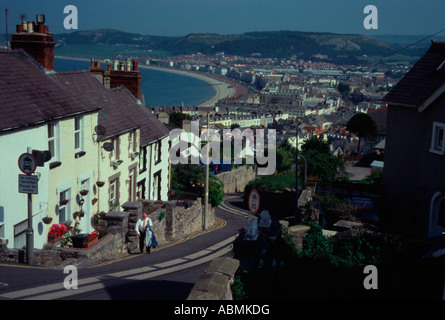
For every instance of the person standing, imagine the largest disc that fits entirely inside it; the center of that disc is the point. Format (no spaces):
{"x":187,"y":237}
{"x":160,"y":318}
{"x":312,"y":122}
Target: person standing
{"x":142,"y":229}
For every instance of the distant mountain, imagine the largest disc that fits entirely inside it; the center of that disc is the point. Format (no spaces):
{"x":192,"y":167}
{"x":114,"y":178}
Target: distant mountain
{"x":267,"y":44}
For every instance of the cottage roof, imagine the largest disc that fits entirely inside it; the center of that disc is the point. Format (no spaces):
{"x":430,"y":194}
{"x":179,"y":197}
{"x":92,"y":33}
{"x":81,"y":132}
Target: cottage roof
{"x":422,"y":81}
{"x":119,"y":110}
{"x":30,"y":96}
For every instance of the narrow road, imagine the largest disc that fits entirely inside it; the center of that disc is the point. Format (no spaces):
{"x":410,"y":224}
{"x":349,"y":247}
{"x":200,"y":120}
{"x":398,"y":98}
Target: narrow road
{"x":167,"y":273}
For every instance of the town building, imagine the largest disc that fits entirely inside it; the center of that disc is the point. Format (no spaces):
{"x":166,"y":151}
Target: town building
{"x":414,"y":161}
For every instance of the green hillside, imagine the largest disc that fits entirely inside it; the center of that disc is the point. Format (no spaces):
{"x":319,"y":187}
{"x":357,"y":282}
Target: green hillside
{"x":267,"y":44}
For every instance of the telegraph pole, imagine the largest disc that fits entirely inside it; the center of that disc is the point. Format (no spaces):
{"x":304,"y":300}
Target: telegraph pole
{"x":206,"y":200}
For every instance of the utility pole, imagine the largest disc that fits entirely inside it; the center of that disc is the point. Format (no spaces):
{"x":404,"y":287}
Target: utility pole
{"x":206,"y":198}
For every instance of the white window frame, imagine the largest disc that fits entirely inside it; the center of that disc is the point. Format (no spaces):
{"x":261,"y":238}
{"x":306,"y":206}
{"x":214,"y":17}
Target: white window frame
{"x":438,"y":146}
{"x":79,"y":133}
{"x":55,"y":139}
{"x":66,"y":209}
{"x":113,"y":195}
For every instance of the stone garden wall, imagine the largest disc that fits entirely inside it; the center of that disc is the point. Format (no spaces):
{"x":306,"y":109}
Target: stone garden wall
{"x":237,"y":179}
{"x":171,"y":221}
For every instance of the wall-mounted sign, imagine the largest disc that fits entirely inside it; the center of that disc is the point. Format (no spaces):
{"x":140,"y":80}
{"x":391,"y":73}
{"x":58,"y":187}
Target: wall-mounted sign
{"x":254,"y":201}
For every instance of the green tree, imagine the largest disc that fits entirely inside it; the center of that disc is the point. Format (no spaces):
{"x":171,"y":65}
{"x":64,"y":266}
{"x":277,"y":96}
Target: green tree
{"x":320,"y":163}
{"x":191,"y":178}
{"x":363,"y":126}
{"x":344,"y":89}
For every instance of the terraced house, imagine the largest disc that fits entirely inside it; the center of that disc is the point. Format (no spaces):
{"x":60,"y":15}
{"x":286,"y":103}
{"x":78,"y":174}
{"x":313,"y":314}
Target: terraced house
{"x":106,"y":147}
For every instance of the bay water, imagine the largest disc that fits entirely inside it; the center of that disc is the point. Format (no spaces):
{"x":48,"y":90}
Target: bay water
{"x":159,"y":88}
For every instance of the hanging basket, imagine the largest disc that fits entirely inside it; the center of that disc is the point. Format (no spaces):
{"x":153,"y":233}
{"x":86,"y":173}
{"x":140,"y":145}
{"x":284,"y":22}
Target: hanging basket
{"x":47,"y":220}
{"x":83,"y":192}
{"x":100,"y":183}
{"x":63,"y":202}
{"x":94,"y":201}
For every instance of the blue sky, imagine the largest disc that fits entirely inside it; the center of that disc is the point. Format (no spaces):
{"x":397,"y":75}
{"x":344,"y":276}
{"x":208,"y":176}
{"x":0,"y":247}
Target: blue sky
{"x":181,"y":17}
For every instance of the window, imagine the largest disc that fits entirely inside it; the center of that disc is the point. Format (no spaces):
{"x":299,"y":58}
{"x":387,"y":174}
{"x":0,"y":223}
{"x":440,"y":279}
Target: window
{"x":78,"y":135}
{"x":437,"y":141}
{"x":157,"y":186}
{"x":143,"y":159}
{"x":132,"y":185}
{"x":157,"y":152}
{"x":113,"y":193}
{"x":64,"y":206}
{"x":53,"y":144}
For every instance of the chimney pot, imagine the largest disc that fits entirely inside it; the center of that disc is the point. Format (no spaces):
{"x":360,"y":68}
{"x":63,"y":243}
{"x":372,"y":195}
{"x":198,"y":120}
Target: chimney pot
{"x":135,"y":65}
{"x":19,"y":28}
{"x":30,"y":28}
{"x":128,"y":66}
{"x":115,"y":64}
{"x":122,"y":64}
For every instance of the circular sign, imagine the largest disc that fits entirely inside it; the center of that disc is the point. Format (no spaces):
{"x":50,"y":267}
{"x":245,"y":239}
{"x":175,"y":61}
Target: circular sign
{"x":254,"y":201}
{"x":27,"y":163}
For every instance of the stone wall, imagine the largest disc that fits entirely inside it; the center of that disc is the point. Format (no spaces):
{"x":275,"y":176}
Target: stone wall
{"x":170,"y":222}
{"x":236,"y":180}
{"x":216,"y":281}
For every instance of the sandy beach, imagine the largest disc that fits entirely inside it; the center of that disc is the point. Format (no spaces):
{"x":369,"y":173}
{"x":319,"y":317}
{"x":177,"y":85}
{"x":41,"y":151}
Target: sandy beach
{"x":222,"y":89}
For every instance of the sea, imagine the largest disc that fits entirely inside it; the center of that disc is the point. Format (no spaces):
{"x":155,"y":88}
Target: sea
{"x":158,"y":88}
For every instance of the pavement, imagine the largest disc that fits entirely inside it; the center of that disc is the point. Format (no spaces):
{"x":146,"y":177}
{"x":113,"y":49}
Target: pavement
{"x":182,"y":261}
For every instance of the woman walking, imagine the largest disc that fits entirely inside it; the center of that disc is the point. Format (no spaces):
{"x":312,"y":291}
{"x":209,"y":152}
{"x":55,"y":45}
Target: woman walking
{"x":143,"y":229}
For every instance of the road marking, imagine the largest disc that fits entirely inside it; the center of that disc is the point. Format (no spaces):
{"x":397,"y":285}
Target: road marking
{"x":85,"y":285}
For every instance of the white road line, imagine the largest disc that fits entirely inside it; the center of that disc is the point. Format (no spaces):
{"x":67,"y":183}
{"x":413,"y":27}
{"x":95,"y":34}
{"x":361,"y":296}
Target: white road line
{"x":57,"y":291}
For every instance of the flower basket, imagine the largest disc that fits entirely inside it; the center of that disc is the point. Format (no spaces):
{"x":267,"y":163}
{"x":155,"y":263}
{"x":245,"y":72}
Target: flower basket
{"x":100,"y":183}
{"x":94,"y":201}
{"x":56,"y":232}
{"x":47,"y":220}
{"x":54,"y":238}
{"x":83,"y":192}
{"x":63,"y":202}
{"x":91,"y":242}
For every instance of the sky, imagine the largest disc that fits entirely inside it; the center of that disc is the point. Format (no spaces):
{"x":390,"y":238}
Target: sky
{"x":181,"y":17}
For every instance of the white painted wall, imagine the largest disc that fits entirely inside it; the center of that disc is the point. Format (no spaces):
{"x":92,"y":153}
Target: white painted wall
{"x":13,"y":205}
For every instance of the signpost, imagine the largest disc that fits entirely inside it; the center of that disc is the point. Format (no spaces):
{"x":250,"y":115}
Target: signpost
{"x":254,"y":201}
{"x":28,"y":184}
{"x":27,"y":163}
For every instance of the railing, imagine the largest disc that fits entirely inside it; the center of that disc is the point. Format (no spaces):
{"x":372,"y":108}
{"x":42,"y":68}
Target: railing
{"x":348,"y":189}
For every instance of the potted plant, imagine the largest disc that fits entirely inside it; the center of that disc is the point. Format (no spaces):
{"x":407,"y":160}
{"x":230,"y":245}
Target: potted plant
{"x":94,"y":201}
{"x":134,"y":155}
{"x":116,"y":163}
{"x":100,"y":183}
{"x":83,"y":192}
{"x":47,"y":220}
{"x":63,"y":202}
{"x":91,"y":239}
{"x":76,"y":215}
{"x":56,"y":232}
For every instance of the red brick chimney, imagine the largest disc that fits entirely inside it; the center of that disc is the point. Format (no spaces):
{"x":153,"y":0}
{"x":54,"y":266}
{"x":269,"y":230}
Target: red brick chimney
{"x":34,"y":38}
{"x":131,"y":79}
